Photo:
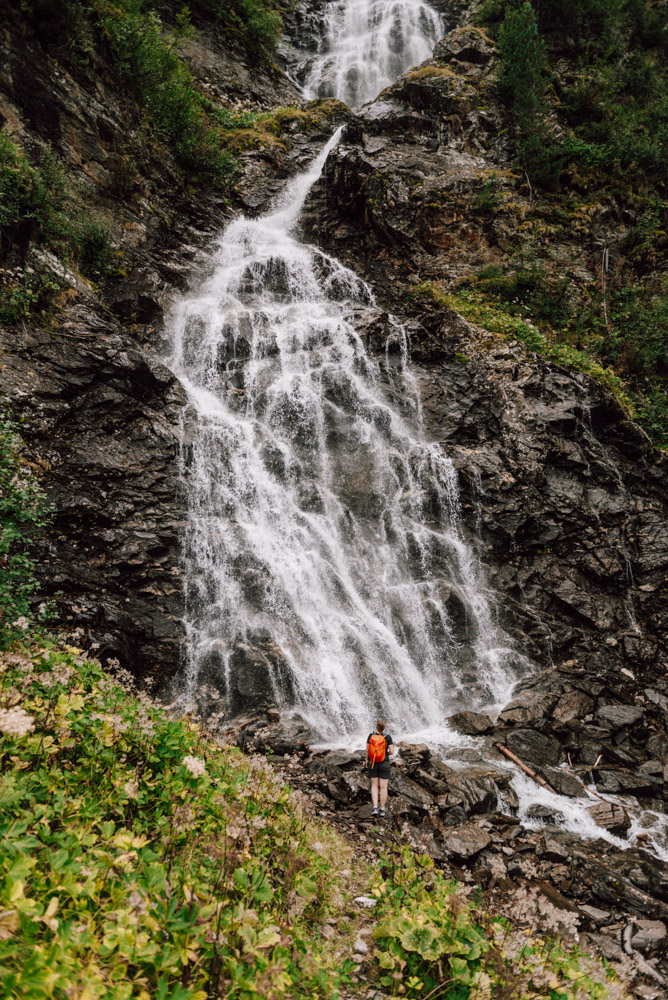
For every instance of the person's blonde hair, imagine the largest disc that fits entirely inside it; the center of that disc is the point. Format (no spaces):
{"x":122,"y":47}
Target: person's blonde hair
{"x":380,"y":725}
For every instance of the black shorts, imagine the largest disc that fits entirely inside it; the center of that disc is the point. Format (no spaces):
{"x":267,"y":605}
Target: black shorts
{"x":380,"y":770}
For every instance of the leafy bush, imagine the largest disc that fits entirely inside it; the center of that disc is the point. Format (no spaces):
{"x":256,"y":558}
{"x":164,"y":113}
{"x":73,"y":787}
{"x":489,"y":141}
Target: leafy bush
{"x":435,"y":940}
{"x":23,"y":513}
{"x":141,"y":859}
{"x":138,"y":859}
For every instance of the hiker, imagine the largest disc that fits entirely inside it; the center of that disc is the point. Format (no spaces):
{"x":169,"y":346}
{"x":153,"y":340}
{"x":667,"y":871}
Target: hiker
{"x":380,"y":748}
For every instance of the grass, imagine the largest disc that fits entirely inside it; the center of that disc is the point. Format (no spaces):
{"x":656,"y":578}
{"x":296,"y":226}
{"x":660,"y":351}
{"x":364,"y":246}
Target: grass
{"x":474,"y":306}
{"x":141,"y":858}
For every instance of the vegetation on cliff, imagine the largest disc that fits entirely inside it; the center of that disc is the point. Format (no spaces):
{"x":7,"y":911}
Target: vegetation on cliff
{"x":587,"y":87}
{"x":23,"y":513}
{"x":142,"y":858}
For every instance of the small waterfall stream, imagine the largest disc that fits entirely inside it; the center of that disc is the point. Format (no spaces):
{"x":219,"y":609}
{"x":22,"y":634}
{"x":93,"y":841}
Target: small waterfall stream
{"x":323,"y":555}
{"x":366,"y":45}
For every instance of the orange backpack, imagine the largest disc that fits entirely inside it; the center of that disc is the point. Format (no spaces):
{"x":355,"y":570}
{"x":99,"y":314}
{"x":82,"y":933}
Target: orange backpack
{"x":377,"y":748}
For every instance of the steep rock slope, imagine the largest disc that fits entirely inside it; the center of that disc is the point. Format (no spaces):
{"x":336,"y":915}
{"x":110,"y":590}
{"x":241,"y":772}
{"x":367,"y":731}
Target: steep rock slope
{"x":80,"y":367}
{"x":564,"y":492}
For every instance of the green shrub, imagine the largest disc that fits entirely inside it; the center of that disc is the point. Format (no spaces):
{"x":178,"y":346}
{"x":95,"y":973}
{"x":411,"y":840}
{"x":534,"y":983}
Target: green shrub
{"x":140,"y":860}
{"x":93,"y":240}
{"x":435,"y":940}
{"x":23,"y":514}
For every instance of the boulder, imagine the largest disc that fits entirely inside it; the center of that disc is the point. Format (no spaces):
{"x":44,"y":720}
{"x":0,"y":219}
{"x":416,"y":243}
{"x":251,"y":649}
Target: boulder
{"x":619,"y":716}
{"x":465,"y":841}
{"x":611,"y":817}
{"x":650,"y":936}
{"x":572,"y":705}
{"x":534,"y":748}
{"x":470,"y":723}
{"x":563,"y":782}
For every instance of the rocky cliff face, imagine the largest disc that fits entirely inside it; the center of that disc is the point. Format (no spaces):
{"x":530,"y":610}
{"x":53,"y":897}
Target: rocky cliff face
{"x":564,"y":494}
{"x":98,"y":408}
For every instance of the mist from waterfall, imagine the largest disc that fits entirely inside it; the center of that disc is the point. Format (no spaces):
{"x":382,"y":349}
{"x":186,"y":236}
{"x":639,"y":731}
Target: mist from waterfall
{"x":366,"y":45}
{"x":323,"y":555}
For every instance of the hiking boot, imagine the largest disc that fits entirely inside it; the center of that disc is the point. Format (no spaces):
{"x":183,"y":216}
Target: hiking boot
{"x":381,"y":812}
{"x":374,"y":811}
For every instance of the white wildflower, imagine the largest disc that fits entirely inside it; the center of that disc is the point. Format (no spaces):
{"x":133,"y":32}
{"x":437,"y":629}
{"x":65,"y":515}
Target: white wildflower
{"x":16,"y":721}
{"x":131,"y":789}
{"x":22,"y":623}
{"x":195,"y":765}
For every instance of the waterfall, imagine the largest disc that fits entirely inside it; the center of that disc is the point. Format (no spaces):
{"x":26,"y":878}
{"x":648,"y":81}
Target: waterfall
{"x":324,"y":562}
{"x":365,"y":45}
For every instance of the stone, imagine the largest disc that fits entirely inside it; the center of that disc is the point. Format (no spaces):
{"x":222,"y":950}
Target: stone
{"x":650,"y":936}
{"x":552,"y":849}
{"x":466,"y":841}
{"x":534,"y":748}
{"x":610,"y":816}
{"x":530,"y":706}
{"x":573,"y":705}
{"x":470,"y":723}
{"x":594,"y":914}
{"x":619,"y":716}
{"x":563,"y":782}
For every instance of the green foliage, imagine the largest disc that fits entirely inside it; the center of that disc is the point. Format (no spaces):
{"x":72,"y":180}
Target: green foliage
{"x":628,"y":354}
{"x":616,"y":107}
{"x":139,"y":860}
{"x":258,"y":22}
{"x":523,"y":62}
{"x":23,"y":514}
{"x":489,"y":198}
{"x":36,"y":207}
{"x":434,"y":940}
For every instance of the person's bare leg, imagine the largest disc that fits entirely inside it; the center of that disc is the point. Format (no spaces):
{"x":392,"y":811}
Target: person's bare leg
{"x":374,"y":791}
{"x":383,"y":791}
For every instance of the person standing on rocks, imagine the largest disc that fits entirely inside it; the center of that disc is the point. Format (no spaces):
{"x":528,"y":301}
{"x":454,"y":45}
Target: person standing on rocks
{"x":380,"y":748}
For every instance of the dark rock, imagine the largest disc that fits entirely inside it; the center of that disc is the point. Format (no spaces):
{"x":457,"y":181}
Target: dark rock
{"x":529,"y":707}
{"x":563,"y":782}
{"x":619,"y":716}
{"x":573,"y":705}
{"x":535,"y":748}
{"x":550,"y":848}
{"x":465,"y":841}
{"x":547,"y":814}
{"x":470,"y":723}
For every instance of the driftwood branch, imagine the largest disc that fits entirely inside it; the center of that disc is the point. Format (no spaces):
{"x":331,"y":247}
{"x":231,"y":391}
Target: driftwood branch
{"x":524,"y":767}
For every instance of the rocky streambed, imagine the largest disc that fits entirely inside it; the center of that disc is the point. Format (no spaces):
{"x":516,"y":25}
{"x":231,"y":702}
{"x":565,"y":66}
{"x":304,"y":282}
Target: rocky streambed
{"x":586,"y":834}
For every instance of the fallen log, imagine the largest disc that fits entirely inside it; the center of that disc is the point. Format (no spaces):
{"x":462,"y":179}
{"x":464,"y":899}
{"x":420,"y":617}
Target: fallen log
{"x":524,"y":767}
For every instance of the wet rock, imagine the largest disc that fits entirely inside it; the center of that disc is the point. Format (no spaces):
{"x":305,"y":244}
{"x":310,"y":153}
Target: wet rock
{"x":470,"y":723}
{"x":535,"y":748}
{"x":563,"y":782}
{"x":528,"y":707}
{"x":334,"y":761}
{"x":610,"y":816}
{"x":621,"y":782}
{"x":465,"y":841}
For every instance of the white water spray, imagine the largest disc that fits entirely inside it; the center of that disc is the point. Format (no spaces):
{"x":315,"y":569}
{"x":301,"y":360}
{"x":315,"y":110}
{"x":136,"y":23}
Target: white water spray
{"x":323,"y":556}
{"x":366,"y":45}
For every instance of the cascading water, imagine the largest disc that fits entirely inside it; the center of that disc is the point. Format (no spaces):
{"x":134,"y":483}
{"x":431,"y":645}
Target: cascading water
{"x":365,"y":45}
{"x":323,"y":556}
